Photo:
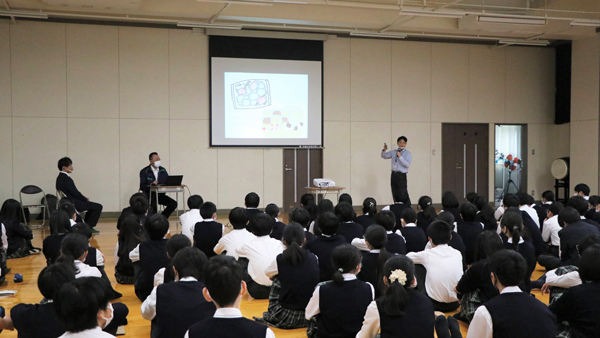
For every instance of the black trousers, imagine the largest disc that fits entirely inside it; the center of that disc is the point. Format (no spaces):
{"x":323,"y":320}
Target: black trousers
{"x":169,"y":203}
{"x":120,"y":318}
{"x":398,"y":183}
{"x":92,"y":211}
{"x":549,"y":261}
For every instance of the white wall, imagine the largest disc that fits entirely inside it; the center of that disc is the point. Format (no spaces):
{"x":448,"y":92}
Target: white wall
{"x":107,"y":96}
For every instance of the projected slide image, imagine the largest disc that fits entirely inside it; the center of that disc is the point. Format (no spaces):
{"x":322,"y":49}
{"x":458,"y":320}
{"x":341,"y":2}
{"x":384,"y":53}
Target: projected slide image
{"x":266,"y":105}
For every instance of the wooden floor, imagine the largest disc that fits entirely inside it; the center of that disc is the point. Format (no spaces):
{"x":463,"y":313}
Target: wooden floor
{"x":31,"y":266}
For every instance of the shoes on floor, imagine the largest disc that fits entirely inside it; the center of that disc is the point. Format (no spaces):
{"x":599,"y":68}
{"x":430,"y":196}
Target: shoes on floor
{"x":260,"y":320}
{"x":35,"y":251}
{"x":94,"y":231}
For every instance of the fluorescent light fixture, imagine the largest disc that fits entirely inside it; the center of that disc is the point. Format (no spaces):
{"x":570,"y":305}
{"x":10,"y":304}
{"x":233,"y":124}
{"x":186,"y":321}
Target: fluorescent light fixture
{"x":239,"y":2}
{"x":373,"y":34}
{"x":524,"y":42}
{"x":588,"y":23}
{"x":24,"y":14}
{"x":434,"y":14}
{"x":511,"y":20}
{"x":196,"y":24}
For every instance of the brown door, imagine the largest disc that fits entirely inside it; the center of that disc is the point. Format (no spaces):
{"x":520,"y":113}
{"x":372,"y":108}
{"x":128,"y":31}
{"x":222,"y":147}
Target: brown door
{"x":465,"y":159}
{"x":300,"y":167}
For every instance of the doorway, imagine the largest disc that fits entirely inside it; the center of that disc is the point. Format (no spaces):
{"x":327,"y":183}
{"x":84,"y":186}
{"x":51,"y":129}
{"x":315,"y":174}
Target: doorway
{"x":300,"y":167}
{"x":510,"y":159}
{"x":465,"y":159}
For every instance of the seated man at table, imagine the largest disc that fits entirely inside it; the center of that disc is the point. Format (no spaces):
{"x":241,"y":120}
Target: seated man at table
{"x":154,"y":174}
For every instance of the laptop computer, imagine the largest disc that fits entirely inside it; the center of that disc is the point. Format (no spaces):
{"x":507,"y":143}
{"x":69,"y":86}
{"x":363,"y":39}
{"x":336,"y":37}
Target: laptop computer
{"x":173,"y":180}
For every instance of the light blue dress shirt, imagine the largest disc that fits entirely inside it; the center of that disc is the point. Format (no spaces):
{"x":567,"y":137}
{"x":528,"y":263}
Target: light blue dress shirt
{"x":399,"y":164}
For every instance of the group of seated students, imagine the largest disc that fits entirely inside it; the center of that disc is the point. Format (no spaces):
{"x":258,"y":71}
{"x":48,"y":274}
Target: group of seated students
{"x":393,"y":272}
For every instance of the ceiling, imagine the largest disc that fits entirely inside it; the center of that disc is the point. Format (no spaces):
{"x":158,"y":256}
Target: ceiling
{"x":546,"y":20}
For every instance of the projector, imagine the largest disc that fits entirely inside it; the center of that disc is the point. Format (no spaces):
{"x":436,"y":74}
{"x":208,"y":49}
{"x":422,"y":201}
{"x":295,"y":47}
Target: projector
{"x":323,"y":182}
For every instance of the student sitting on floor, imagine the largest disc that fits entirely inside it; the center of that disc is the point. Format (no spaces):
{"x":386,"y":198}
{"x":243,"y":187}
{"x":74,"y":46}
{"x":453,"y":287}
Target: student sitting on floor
{"x":208,"y":232}
{"x":402,"y":311}
{"x":74,"y":250}
{"x":69,"y":208}
{"x":455,"y":240}
{"x":302,"y":217}
{"x":444,"y":267}
{"x":348,"y":229}
{"x":395,"y":242}
{"x":260,"y":253}
{"x":324,"y":206}
{"x":512,"y":227}
{"x":338,"y":307}
{"x":59,"y":227}
{"x":369,"y":209}
{"x":18,"y":236}
{"x":414,"y":237}
{"x":273,"y":211}
{"x":189,"y":219}
{"x":374,"y":259}
{"x":551,"y":228}
{"x":174,"y":244}
{"x":400,"y":204}
{"x":450,"y":204}
{"x":138,"y":206}
{"x":534,"y":234}
{"x":131,"y":235}
{"x":323,"y":245}
{"x":468,"y":229}
{"x":295,"y":273}
{"x":485,"y":214}
{"x":174,"y":307}
{"x":513,"y":313}
{"x":426,"y":213}
{"x":236,"y":237}
{"x":151,"y":255}
{"x":94,"y":257}
{"x":225,"y":288}
{"x":251,"y":201}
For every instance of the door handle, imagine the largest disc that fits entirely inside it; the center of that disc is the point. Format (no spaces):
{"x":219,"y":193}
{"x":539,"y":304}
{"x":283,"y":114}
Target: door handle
{"x":288,"y":169}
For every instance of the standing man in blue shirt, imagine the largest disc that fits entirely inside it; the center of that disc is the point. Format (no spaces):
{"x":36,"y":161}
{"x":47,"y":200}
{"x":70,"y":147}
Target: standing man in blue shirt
{"x":401,"y":159}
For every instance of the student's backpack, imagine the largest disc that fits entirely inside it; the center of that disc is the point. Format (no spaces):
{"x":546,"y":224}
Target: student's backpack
{"x":52,"y":201}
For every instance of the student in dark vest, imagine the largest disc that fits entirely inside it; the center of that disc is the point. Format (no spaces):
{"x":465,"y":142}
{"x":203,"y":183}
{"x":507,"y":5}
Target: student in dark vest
{"x":580,"y":305}
{"x":302,"y":217}
{"x":374,"y":259}
{"x":273,"y":211}
{"x":338,"y":307}
{"x":582,"y":206}
{"x":94,"y":257}
{"x":592,"y":213}
{"x":402,"y":311}
{"x":512,"y":227}
{"x":39,"y":320}
{"x":324,"y":205}
{"x":323,"y":245}
{"x":533,"y":233}
{"x":151,"y":255}
{"x":251,"y":201}
{"x":59,"y":227}
{"x":138,"y":206}
{"x":455,"y":240}
{"x":547,"y":199}
{"x":468,"y":229}
{"x":369,"y":209}
{"x":348,"y":229}
{"x":295,"y":273}
{"x":400,"y":204}
{"x":208,"y":232}
{"x":395,"y":242}
{"x":426,"y":213}
{"x":174,"y":307}
{"x":513,"y":313}
{"x":475,"y":286}
{"x":225,"y":288}
{"x":174,"y":245}
{"x":414,"y":237}
{"x":131,"y":235}
{"x":450,"y":204}
{"x":69,"y":208}
{"x":485,"y":214}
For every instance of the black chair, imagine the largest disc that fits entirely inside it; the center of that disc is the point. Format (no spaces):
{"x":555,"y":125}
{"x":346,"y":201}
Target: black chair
{"x":33,"y":190}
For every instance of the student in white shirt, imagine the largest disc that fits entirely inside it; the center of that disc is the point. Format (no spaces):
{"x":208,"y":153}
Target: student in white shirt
{"x":582,"y":190}
{"x":225,"y":288}
{"x":189,"y":219}
{"x":174,"y":245}
{"x":523,"y":206}
{"x":74,"y":249}
{"x":444,"y":267}
{"x":238,"y":236}
{"x":83,"y":307}
{"x":260,"y":253}
{"x":551,"y":228}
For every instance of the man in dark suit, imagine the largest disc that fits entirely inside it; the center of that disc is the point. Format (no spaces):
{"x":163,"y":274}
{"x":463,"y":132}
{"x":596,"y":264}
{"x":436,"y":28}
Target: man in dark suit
{"x":154,"y":174}
{"x":65,"y":184}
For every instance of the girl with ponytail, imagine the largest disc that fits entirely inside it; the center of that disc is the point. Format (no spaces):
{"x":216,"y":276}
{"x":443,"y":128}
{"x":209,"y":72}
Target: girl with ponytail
{"x":295,"y":273}
{"x":426,"y":213}
{"x":375,"y":258}
{"x":369,"y":209}
{"x":338,"y":307}
{"x":402,"y":311}
{"x":512,"y":228}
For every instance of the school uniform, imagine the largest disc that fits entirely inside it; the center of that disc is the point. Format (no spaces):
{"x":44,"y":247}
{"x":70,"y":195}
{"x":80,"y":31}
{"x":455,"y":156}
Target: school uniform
{"x":277,"y":232}
{"x":93,"y":210}
{"x":455,"y":212}
{"x":84,"y":270}
{"x":532,"y":214}
{"x":513,"y":314}
{"x":176,"y":306}
{"x":456,"y":243}
{"x":535,"y":234}
{"x":423,"y":222}
{"x":148,"y":175}
{"x":341,"y":308}
{"x":477,"y":277}
{"x":414,"y":237}
{"x":233,"y":240}
{"x":124,"y":271}
{"x":188,"y":222}
{"x":491,"y":225}
{"x":469,"y":231}
{"x":126,"y":212}
{"x":395,"y":243}
{"x":550,"y":231}
{"x":51,"y":247}
{"x":580,"y":307}
{"x":368,"y":271}
{"x":206,"y":236}
{"x":94,"y":258}
{"x":591,"y":222}
{"x":417,"y":321}
{"x":570,"y":237}
{"x":36,"y":321}
{"x":148,"y":257}
{"x":91,"y":333}
{"x":19,"y":238}
{"x":322,"y":246}
{"x":229,"y":322}
{"x":397,"y":208}
{"x":541,"y":213}
{"x":309,"y":236}
{"x":528,"y":252}
{"x":260,"y":253}
{"x":365,"y":220}
{"x":350,"y":231}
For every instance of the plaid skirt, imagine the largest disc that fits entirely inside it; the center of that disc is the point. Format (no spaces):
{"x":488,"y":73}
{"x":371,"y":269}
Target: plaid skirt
{"x":280,"y":317}
{"x":469,"y":303}
{"x":22,"y":251}
{"x":564,"y":331}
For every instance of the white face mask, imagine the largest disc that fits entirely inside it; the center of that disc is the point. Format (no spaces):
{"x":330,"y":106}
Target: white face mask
{"x":109,"y":319}
{"x":401,"y":148}
{"x":157,"y":164}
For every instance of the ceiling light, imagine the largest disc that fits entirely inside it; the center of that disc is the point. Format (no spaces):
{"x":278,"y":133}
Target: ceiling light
{"x":378,"y":35}
{"x":524,"y":42}
{"x":195,"y":24}
{"x":239,"y":2}
{"x":589,"y":23}
{"x":24,"y":14}
{"x":511,"y":20}
{"x":434,"y":14}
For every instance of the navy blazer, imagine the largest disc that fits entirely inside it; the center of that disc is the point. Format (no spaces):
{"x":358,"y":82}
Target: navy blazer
{"x":65,"y":184}
{"x":147,"y":177}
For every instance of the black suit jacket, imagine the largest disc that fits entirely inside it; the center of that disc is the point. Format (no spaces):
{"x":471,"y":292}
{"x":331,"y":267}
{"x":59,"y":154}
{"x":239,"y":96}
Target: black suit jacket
{"x":147,"y":177}
{"x":65,"y":184}
{"x":534,"y":234}
{"x":570,"y":236}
